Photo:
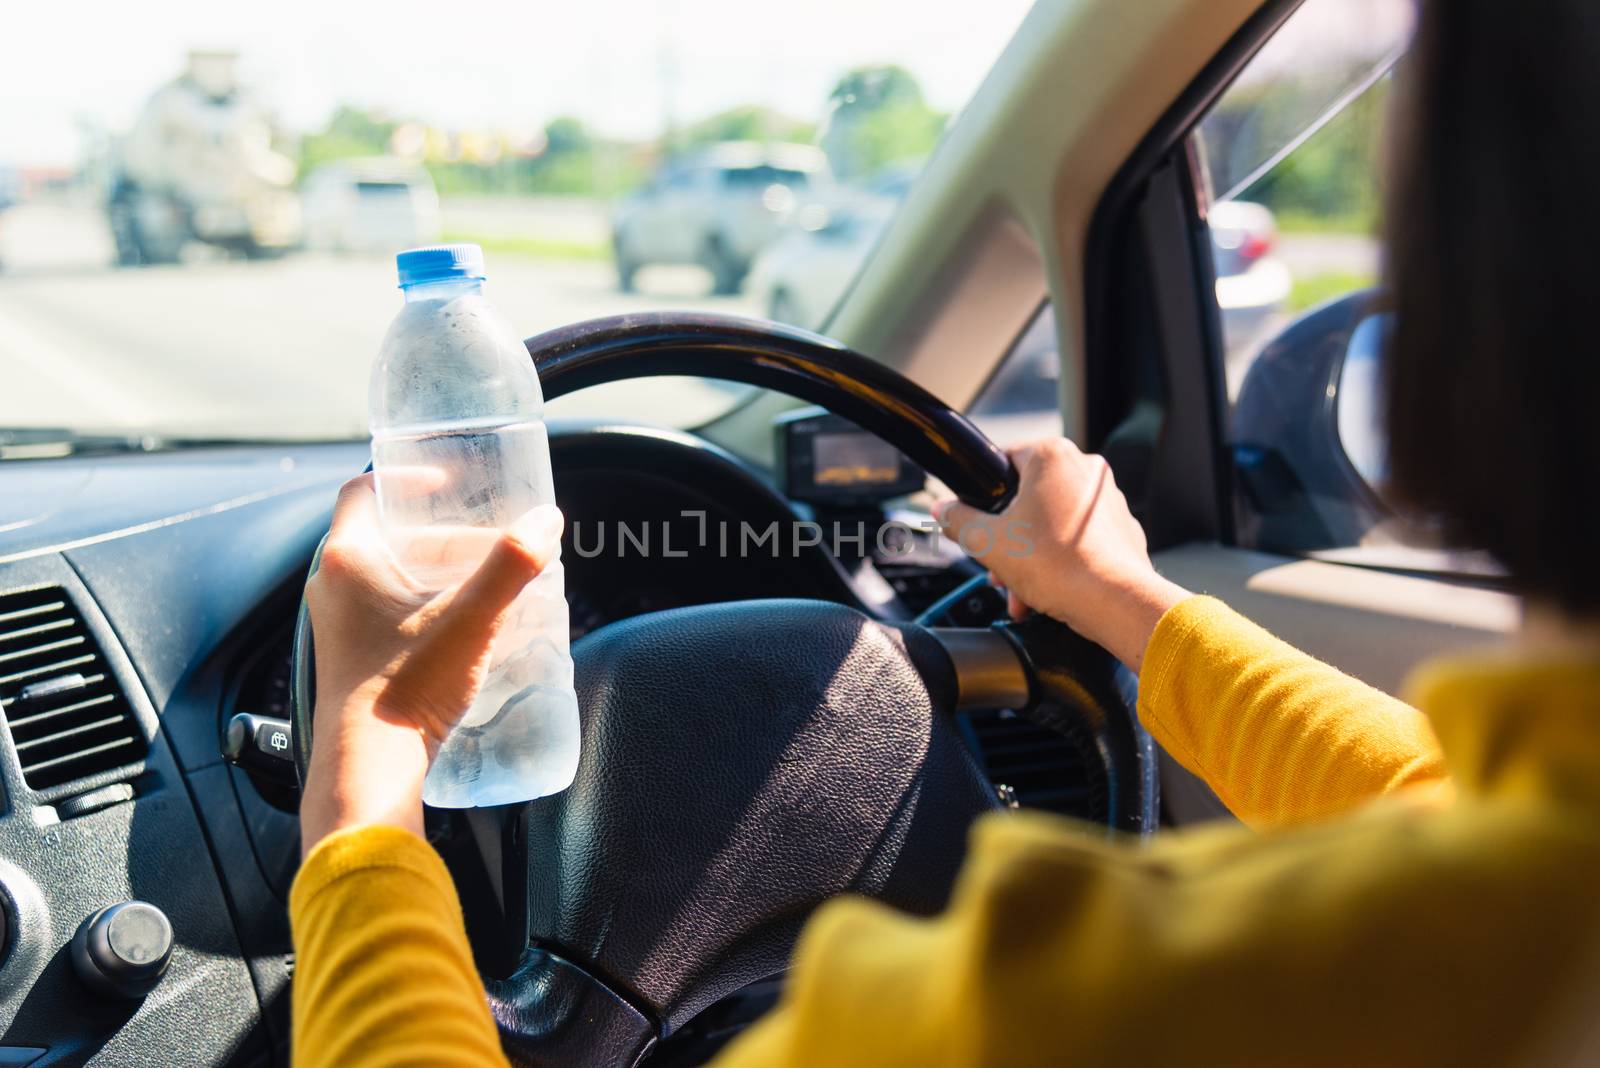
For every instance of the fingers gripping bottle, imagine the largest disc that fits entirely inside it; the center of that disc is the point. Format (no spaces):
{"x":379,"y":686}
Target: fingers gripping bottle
{"x":461,"y":453}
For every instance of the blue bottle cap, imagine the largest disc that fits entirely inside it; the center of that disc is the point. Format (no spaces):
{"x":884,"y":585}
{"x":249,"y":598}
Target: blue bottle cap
{"x":437,"y":263}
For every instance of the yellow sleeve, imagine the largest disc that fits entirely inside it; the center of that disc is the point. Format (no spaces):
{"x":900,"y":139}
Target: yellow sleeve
{"x":1281,"y":737}
{"x":1349,"y":942}
{"x":383,"y":973}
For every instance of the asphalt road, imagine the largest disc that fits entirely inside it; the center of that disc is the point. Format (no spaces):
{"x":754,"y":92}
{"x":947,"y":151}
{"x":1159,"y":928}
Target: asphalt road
{"x":285,"y":347}
{"x":264,"y":348}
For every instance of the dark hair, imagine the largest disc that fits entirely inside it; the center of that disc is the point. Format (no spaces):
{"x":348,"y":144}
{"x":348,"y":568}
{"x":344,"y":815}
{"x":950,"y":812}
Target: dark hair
{"x":1493,"y":220}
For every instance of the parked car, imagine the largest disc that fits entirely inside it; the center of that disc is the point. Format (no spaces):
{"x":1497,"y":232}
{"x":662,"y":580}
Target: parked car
{"x":804,"y":272}
{"x":370,"y":205}
{"x":717,"y":208}
{"x":1252,"y":283}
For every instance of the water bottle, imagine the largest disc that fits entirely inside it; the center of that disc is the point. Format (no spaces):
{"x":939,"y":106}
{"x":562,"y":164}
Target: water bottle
{"x":460,"y":452}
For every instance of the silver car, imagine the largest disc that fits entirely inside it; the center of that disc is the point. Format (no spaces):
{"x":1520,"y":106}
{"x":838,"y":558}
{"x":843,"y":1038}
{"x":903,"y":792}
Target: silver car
{"x":717,"y":208}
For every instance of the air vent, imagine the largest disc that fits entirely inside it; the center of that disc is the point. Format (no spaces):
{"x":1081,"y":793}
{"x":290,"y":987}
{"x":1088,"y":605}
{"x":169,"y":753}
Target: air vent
{"x":1056,"y":772}
{"x":68,"y":718}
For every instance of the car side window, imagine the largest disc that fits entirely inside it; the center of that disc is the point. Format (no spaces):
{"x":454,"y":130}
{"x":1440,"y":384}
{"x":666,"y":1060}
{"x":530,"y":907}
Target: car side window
{"x":1290,"y":158}
{"x":1022,"y":400}
{"x":760,"y":177}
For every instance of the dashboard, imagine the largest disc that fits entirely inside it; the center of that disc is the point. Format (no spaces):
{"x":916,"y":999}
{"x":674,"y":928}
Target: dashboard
{"x":175,"y":577}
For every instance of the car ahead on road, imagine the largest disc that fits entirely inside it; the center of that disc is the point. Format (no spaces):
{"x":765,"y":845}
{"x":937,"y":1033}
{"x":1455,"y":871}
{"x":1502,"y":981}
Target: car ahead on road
{"x":369,"y":205}
{"x":801,"y":275}
{"x":716,"y":208}
{"x":172,"y":443}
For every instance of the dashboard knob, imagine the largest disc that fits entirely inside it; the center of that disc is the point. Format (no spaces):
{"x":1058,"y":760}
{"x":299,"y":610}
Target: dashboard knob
{"x":123,"y":950}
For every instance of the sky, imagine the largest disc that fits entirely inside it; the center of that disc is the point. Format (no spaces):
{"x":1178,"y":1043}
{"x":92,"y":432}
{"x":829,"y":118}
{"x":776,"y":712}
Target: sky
{"x":620,"y":65}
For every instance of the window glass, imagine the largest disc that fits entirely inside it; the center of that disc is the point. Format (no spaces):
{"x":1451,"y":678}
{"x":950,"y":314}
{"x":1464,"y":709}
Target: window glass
{"x":1022,"y":402}
{"x":200,"y":202}
{"x":761,"y":177}
{"x":1326,"y":55}
{"x":1292,"y":155}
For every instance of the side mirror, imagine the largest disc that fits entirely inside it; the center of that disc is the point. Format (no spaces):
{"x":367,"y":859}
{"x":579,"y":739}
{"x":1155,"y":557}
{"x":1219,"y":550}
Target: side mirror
{"x":1357,"y":404}
{"x":1307,"y":428}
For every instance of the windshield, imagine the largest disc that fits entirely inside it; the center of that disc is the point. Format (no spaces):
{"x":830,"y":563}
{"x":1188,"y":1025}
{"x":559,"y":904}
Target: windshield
{"x":200,"y":203}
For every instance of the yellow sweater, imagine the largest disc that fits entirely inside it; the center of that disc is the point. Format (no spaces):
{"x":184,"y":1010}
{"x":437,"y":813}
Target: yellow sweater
{"x":1399,"y":932}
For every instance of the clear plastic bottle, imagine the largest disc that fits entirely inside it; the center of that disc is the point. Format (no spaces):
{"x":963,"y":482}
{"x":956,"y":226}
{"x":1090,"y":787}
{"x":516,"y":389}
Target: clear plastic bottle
{"x":460,"y":451}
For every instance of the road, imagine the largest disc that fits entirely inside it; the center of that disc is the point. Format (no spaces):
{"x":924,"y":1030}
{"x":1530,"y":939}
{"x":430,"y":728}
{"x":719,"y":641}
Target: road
{"x":276,"y":347}
{"x":285,"y":347}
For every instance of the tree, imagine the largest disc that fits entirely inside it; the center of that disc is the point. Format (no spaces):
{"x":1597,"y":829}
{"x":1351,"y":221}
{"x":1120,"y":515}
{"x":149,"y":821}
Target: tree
{"x":351,"y":132}
{"x":566,"y":135}
{"x":748,"y":123}
{"x":870,"y":88}
{"x":878,"y":118}
{"x":1330,"y":180}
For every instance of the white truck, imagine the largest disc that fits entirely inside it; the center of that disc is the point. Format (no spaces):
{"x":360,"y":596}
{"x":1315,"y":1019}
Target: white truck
{"x":199,"y":165}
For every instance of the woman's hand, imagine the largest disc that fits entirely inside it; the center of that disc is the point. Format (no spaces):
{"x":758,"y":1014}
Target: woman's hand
{"x":397,"y":665}
{"x":1068,"y":546}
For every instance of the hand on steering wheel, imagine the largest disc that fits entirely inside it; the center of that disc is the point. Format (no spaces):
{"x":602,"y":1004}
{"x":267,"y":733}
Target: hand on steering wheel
{"x":1068,"y":546}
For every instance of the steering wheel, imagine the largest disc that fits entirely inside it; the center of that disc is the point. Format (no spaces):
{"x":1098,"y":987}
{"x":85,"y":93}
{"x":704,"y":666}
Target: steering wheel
{"x":742,"y":763}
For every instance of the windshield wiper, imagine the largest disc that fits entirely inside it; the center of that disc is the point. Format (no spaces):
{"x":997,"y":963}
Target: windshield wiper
{"x":50,"y":442}
{"x":47,"y":442}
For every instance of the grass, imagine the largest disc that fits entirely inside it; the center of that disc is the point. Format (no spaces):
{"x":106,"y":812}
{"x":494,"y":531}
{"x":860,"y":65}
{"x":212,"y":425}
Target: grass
{"x":1362,"y":224}
{"x":533,"y":247}
{"x":1311,"y":291}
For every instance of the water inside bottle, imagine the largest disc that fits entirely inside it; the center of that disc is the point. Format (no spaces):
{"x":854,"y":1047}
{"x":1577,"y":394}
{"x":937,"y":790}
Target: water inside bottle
{"x":445,"y":493}
{"x":438,"y":485}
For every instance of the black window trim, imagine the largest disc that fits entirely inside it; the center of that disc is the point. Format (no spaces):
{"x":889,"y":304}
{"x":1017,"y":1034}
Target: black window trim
{"x":1186,"y":492}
